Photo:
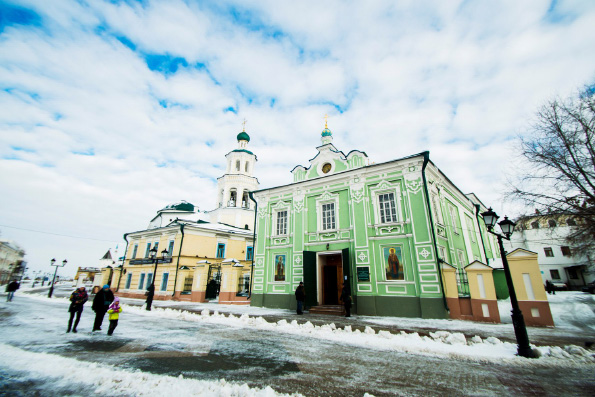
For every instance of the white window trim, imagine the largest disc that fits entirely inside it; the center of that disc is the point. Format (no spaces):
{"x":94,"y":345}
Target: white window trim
{"x":471,"y":227}
{"x":280,"y":207}
{"x":451,"y":211}
{"x":161,"y":282}
{"x":437,"y":206}
{"x":383,"y":188}
{"x":461,"y":253}
{"x":327,"y":198}
{"x":138,"y":286}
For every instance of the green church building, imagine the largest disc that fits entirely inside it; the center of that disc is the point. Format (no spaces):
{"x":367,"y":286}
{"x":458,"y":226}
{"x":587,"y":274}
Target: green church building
{"x":389,"y":230}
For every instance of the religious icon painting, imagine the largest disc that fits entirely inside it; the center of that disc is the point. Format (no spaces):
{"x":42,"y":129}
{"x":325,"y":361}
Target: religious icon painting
{"x":279,"y":267}
{"x":393,"y":263}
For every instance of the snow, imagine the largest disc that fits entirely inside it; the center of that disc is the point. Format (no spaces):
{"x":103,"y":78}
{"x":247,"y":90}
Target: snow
{"x":439,"y":344}
{"x":108,"y":380}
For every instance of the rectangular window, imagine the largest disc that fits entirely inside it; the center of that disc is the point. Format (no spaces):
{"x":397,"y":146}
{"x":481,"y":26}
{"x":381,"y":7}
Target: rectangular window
{"x":328,"y":216}
{"x":281,"y":223}
{"x":388,"y":208}
{"x":128,"y":280}
{"x":249,"y":253}
{"x":157,"y":248}
{"x":134,"y":250}
{"x":548,"y":251}
{"x":141,"y":283}
{"x":220,"y":250}
{"x":555,"y":274}
{"x":471,"y":227}
{"x":442,"y":252}
{"x":566,"y":251}
{"x":149,"y":279}
{"x":461,"y":257}
{"x":453,"y":219}
{"x":171,"y":248}
{"x":164,"y":279}
{"x":436,"y":208}
{"x":147,"y":250}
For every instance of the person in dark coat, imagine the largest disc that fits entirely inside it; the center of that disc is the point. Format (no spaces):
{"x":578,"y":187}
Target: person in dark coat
{"x":346,"y":299}
{"x":11,"y":289}
{"x":300,"y":297}
{"x":103,"y":299}
{"x":77,"y":299}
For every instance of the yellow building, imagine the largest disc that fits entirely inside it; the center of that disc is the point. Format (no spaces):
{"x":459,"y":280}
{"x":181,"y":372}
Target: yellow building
{"x":197,"y":260}
{"x":203,"y":261}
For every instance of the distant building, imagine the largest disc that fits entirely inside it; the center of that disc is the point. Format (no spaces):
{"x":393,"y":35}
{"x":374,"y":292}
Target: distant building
{"x":206,"y":259}
{"x":12,"y":263}
{"x":546,"y":236}
{"x":86,"y":275}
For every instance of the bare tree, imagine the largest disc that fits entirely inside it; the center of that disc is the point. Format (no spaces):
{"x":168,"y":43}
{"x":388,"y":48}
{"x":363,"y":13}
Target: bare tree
{"x":560,"y":180}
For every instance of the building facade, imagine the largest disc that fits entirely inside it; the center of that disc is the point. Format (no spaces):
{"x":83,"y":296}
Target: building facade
{"x":546,"y":236}
{"x":204,"y":260}
{"x":12,"y":263}
{"x":385,"y":229}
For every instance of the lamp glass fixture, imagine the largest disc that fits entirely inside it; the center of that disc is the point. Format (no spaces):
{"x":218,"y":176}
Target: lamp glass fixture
{"x":64,"y":262}
{"x":164,"y":253}
{"x":490,"y":218}
{"x":507,"y":226}
{"x":53,"y":261}
{"x":153,"y":253}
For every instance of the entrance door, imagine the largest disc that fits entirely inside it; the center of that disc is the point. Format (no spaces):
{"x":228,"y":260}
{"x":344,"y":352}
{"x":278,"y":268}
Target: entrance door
{"x":332,"y":278}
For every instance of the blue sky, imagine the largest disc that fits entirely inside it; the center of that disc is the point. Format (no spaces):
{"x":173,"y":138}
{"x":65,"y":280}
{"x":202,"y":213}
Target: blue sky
{"x":110,"y":110}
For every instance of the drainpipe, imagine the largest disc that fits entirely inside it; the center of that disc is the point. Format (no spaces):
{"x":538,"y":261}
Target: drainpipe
{"x":485,"y":254}
{"x":123,"y":262}
{"x":178,"y":261}
{"x":253,"y":244}
{"x":439,"y":261}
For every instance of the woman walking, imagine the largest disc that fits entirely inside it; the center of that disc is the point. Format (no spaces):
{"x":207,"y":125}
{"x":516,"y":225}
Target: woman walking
{"x":77,"y":299}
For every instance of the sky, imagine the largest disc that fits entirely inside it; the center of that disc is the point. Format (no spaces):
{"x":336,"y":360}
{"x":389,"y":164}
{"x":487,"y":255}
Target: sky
{"x":111,"y":110}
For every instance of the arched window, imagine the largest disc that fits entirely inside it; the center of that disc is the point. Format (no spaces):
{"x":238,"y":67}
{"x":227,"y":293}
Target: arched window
{"x":246,"y":169}
{"x":535,"y":225}
{"x":551,"y":223}
{"x":238,"y":165}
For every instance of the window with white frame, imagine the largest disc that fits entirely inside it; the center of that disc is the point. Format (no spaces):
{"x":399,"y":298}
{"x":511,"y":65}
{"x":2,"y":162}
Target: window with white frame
{"x":461,"y":257}
{"x":442,"y":252}
{"x":281,"y":226}
{"x":453,"y":218}
{"x":387,"y":207}
{"x":471,"y":228}
{"x":328,"y":216}
{"x":436,"y":208}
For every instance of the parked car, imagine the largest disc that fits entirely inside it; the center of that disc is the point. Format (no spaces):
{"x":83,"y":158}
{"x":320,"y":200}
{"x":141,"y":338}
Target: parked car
{"x":590,"y":288}
{"x":560,"y":287}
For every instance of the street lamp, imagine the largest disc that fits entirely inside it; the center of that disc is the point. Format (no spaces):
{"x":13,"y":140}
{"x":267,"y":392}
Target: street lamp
{"x":518,"y":321}
{"x":53,"y":262}
{"x":153,"y":256}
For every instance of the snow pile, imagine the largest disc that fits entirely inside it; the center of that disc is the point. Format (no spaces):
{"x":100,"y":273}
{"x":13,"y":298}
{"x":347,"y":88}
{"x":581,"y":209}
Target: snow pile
{"x":109,"y":380}
{"x":440,"y":343}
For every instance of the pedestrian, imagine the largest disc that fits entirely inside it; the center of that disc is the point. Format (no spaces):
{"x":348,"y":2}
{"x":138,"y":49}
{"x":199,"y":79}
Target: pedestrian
{"x":77,"y":299}
{"x":114,"y":314}
{"x":549,"y":287}
{"x":103,"y":299}
{"x":11,"y":289}
{"x":150,"y":293}
{"x":346,"y":299}
{"x":300,"y":297}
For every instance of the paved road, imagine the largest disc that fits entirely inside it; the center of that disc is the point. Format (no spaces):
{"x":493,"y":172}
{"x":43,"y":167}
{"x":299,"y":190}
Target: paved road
{"x":289,"y":364}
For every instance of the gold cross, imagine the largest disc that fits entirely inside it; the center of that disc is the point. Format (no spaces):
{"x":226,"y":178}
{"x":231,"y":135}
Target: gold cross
{"x":244,"y":124}
{"x":325,"y":121}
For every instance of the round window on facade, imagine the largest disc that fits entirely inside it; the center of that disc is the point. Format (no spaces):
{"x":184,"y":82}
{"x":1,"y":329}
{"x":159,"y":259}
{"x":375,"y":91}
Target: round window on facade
{"x":326,"y":168}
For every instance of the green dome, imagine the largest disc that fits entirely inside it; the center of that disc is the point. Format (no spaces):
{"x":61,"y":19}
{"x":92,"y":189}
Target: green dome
{"x":242,"y":136}
{"x":326,"y":132}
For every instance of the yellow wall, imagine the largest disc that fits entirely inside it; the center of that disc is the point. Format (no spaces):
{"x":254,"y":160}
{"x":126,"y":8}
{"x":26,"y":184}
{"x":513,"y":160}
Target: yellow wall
{"x":526,"y":262}
{"x":488,"y":282}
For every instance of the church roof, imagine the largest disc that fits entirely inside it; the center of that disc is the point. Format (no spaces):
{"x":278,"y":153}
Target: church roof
{"x":181,"y":206}
{"x":242,"y":150}
{"x":108,"y":255}
{"x":326,"y":132}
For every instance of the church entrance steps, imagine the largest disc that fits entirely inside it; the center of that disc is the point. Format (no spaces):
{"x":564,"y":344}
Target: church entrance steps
{"x":327,"y":309}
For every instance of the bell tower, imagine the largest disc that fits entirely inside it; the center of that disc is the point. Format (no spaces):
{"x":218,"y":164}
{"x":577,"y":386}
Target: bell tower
{"x":234,"y":206}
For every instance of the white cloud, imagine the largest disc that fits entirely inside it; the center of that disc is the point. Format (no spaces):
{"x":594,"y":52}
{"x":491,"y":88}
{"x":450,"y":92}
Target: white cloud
{"x":456,"y":78}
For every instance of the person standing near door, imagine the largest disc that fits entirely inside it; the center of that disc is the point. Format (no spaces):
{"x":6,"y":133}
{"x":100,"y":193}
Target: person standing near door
{"x":101,"y":303}
{"x":300,"y":297}
{"x":346,"y":298}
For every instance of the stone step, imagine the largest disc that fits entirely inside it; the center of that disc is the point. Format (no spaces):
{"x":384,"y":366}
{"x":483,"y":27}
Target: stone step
{"x":327,"y":309}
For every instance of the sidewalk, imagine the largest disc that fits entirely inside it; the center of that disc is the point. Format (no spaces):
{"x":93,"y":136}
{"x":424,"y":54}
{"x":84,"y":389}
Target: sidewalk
{"x":505,"y":332}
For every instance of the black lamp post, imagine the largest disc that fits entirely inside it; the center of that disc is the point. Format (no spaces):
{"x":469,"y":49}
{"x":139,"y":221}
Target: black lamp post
{"x":518,"y":321}
{"x":53,"y":262}
{"x":153,"y":256}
